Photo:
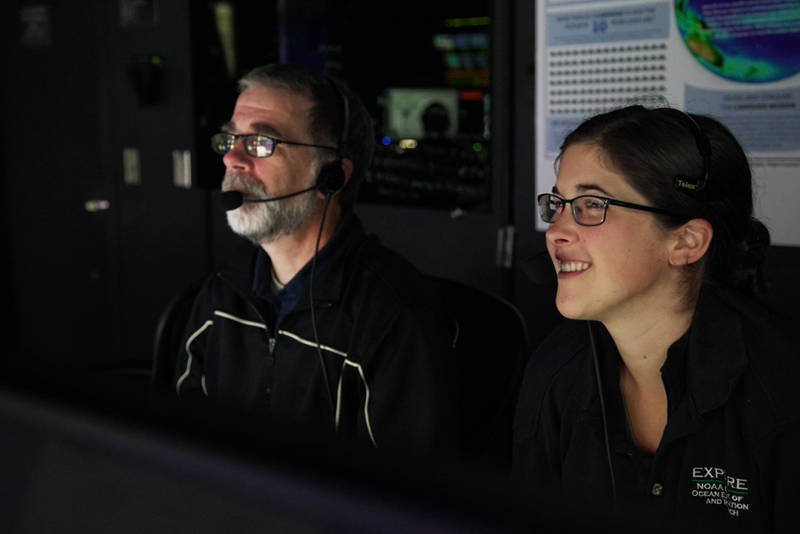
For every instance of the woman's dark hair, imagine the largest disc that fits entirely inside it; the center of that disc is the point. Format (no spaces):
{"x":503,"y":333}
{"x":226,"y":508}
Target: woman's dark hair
{"x":651,"y":147}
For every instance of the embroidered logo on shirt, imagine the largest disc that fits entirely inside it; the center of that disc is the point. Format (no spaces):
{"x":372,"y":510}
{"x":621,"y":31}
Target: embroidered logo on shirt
{"x":715,"y":487}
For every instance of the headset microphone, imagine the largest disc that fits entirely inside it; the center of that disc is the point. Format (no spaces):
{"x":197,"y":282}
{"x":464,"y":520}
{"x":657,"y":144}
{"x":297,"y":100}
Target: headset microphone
{"x":231,"y":200}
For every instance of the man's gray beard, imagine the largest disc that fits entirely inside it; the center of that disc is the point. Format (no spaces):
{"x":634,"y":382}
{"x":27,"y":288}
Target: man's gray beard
{"x":264,"y":222}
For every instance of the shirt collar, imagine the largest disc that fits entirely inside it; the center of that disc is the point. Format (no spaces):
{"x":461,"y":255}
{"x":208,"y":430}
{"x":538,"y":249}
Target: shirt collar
{"x":716,"y":356}
{"x":297,"y":288}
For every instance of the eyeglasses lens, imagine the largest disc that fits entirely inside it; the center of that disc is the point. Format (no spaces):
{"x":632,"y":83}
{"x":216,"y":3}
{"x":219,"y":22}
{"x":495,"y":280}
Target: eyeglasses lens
{"x":589,"y":211}
{"x":549,"y":207}
{"x":222,"y":143}
{"x":258,"y":146}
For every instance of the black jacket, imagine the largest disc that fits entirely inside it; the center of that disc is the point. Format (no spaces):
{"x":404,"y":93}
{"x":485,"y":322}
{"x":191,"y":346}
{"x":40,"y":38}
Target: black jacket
{"x":385,"y":339}
{"x":728,"y":459}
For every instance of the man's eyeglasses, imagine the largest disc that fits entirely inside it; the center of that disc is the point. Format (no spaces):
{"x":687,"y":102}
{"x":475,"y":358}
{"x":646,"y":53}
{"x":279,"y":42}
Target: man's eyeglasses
{"x":587,"y":210}
{"x":256,"y":145}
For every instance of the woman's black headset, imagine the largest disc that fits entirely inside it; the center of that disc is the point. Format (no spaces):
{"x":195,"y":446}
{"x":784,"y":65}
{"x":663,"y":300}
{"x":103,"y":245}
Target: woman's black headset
{"x":693,"y":186}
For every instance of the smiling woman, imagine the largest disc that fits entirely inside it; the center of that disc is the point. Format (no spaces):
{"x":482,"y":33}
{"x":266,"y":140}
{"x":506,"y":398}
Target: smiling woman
{"x":610,"y":267}
{"x":671,"y":363}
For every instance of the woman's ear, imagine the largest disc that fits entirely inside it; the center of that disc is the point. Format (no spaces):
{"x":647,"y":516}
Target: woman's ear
{"x":691,"y":241}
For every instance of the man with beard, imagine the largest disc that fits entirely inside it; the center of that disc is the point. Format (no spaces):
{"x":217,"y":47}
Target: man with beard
{"x":329,"y":330}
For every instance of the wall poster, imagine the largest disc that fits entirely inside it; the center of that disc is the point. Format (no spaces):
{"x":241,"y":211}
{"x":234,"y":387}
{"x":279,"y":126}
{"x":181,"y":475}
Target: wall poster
{"x":735,"y":60}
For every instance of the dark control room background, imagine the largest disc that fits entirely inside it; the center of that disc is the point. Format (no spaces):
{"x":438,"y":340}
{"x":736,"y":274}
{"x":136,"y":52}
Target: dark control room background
{"x":109,"y":185}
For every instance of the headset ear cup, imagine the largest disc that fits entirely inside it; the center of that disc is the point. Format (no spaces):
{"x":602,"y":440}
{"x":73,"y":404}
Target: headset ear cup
{"x":330,"y":178}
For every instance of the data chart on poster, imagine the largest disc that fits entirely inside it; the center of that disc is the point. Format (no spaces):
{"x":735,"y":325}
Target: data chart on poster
{"x":738,"y":61}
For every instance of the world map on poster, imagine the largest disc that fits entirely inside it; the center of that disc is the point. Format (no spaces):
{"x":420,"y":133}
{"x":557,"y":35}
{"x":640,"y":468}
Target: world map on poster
{"x":751,"y":41}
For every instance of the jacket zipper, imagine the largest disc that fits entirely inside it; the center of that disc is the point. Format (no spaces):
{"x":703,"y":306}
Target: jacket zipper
{"x":271,"y":340}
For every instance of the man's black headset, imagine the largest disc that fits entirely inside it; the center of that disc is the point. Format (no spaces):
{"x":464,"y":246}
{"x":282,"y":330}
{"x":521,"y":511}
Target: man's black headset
{"x":331,"y":175}
{"x":330,"y":179}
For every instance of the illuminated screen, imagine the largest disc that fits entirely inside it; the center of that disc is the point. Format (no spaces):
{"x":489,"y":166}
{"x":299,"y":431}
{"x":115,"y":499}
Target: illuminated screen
{"x":405,"y":108}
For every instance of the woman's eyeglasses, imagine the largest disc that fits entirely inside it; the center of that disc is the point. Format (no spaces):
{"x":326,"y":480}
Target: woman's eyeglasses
{"x":587,"y":210}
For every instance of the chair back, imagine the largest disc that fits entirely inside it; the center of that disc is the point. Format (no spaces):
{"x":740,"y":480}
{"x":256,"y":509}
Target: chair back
{"x":168,"y":336}
{"x":492,"y":343}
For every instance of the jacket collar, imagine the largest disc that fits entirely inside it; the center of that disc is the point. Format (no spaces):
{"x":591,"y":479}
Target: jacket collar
{"x":328,"y":280}
{"x":715,"y":361}
{"x":717,"y":357}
